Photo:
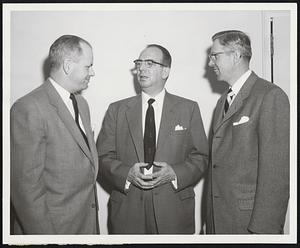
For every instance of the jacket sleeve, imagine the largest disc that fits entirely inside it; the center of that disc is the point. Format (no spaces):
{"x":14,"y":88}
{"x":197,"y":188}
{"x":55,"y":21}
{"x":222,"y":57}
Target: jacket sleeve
{"x":272,"y":190}
{"x":110,"y":167}
{"x":28,"y":151}
{"x":190,"y":171}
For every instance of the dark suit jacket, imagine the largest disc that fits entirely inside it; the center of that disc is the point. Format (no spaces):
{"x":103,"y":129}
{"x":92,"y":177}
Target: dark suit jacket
{"x":120,"y":146}
{"x":53,"y":172}
{"x":249,"y":162}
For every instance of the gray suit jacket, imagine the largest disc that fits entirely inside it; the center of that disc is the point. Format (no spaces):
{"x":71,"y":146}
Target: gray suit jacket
{"x":120,"y":146}
{"x":249,"y":162}
{"x":53,"y":172}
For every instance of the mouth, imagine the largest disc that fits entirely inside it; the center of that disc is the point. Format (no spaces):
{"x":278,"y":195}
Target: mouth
{"x":216,"y":70}
{"x":143,"y":77}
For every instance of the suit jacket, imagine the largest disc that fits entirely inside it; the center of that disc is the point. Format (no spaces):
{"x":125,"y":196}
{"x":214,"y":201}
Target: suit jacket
{"x":53,"y":172}
{"x":249,"y":161}
{"x":120,"y":146}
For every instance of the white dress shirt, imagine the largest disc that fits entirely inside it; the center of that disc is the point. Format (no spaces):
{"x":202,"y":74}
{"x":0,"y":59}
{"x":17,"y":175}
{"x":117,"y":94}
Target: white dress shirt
{"x":239,"y":84}
{"x":158,"y":106}
{"x":65,"y":96}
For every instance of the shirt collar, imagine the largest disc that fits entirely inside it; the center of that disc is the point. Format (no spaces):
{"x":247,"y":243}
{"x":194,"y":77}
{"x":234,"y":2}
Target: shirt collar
{"x":159,"y":98}
{"x":240,"y":82}
{"x":61,"y":91}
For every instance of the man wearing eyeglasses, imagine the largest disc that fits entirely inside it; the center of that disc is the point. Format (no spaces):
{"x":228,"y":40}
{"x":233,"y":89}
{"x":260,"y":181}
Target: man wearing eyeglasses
{"x":153,"y":150}
{"x":248,"y":188}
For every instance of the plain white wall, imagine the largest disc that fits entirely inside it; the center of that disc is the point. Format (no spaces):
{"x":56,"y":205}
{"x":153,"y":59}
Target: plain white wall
{"x":117,"y":38}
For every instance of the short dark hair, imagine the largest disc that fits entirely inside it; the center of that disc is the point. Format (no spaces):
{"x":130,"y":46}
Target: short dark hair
{"x":235,"y":39}
{"x":65,"y":46}
{"x":167,"y":59}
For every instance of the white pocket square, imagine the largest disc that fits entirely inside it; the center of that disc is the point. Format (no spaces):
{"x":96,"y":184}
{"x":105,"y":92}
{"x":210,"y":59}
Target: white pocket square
{"x":179,"y":128}
{"x":243,"y":119}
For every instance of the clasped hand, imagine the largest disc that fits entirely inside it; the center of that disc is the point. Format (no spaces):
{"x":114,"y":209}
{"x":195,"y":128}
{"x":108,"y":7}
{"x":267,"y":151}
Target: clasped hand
{"x":164,"y":175}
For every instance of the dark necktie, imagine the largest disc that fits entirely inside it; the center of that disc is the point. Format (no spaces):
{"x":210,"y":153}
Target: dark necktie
{"x":149,"y":135}
{"x":75,"y":106}
{"x":230,"y":95}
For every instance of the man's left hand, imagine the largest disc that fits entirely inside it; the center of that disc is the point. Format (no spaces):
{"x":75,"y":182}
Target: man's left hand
{"x":164,"y":175}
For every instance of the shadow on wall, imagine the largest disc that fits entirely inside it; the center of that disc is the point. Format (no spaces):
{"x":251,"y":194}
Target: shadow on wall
{"x":136,"y":85}
{"x":218,"y":87}
{"x":46,"y":68}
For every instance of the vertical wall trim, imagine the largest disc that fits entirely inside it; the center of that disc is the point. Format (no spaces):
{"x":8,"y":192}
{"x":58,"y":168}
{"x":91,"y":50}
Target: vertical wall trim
{"x":265,"y":45}
{"x":271,"y":46}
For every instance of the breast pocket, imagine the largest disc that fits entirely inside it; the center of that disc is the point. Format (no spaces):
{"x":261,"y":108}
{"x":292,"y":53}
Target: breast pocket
{"x":244,"y":132}
{"x":242,"y":125}
{"x":175,"y":150}
{"x":179,"y":132}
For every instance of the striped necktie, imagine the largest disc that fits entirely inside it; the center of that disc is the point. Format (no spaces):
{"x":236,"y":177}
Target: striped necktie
{"x":230,"y":95}
{"x":75,"y":106}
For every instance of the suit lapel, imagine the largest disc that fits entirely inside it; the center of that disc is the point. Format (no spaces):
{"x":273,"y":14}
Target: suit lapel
{"x":167,"y":121}
{"x":88,"y":132}
{"x":134,"y":119}
{"x":66,"y":117}
{"x":219,"y":112}
{"x":237,"y":102}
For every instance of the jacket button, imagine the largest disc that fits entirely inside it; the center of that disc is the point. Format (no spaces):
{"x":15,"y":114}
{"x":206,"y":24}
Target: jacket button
{"x":214,"y":166}
{"x":93,"y":205}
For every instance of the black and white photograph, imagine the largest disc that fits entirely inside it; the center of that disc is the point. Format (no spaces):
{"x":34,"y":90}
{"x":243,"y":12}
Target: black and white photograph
{"x":127,"y":123}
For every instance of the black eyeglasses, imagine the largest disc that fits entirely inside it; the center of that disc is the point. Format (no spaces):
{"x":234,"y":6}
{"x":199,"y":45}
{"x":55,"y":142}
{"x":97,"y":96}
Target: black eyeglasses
{"x":148,"y":63}
{"x":214,"y":56}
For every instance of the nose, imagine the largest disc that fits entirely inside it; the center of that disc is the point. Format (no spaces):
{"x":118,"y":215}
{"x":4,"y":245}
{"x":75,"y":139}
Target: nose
{"x":134,"y":71}
{"x":210,"y":63}
{"x":92,"y":72}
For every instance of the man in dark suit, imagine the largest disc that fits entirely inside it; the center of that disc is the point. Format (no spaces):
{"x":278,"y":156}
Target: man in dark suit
{"x":249,"y":159}
{"x":152,"y":149}
{"x":54,"y":160}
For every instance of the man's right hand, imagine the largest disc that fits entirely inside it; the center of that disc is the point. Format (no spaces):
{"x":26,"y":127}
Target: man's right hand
{"x":136,"y":177}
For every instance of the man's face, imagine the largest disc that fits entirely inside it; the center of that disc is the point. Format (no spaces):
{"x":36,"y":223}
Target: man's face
{"x":82,"y":69}
{"x":152,"y":79}
{"x":222,"y":61}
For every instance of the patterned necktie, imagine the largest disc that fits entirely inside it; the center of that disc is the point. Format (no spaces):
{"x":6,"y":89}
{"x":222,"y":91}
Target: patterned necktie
{"x":230,"y":95}
{"x":149,"y":135}
{"x":75,"y":106}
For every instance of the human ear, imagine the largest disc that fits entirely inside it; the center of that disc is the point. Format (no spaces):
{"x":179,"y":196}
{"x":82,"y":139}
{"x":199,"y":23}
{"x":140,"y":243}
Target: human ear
{"x":67,"y":66}
{"x":237,"y":56}
{"x":165,"y":72}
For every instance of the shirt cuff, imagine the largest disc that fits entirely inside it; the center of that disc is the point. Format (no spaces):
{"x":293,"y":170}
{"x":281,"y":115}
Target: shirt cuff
{"x":127,"y":184}
{"x":174,"y":182}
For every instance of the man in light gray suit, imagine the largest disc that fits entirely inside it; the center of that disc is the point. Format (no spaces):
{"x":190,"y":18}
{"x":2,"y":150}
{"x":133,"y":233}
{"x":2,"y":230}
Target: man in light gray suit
{"x":249,"y":159}
{"x":54,"y":161}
